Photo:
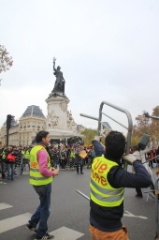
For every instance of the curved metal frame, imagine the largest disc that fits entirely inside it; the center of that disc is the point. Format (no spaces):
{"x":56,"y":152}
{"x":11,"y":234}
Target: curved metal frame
{"x":129,"y":128}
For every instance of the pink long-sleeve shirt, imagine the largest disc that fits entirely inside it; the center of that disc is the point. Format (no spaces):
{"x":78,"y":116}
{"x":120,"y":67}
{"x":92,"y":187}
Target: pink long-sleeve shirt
{"x":42,"y":157}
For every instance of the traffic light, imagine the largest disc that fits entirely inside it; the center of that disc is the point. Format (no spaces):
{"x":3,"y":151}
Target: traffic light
{"x":10,"y":120}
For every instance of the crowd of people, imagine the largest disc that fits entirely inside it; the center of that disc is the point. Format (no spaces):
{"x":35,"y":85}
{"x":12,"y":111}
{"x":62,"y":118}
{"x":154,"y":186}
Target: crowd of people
{"x":62,"y":156}
{"x":152,"y":156}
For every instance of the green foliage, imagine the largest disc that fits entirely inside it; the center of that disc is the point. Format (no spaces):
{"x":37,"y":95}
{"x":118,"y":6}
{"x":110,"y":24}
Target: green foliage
{"x":156,"y":111}
{"x":135,"y":140}
{"x":89,"y":135}
{"x":146,"y":125}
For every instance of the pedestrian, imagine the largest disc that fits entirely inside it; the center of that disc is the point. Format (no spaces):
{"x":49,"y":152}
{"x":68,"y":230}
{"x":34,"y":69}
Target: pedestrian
{"x":41,"y":177}
{"x":80,"y":155}
{"x":72,"y":158}
{"x":10,"y":161}
{"x":108,"y":180}
{"x":63,"y":156}
{"x":2,"y":161}
{"x":98,"y":148}
{"x":136,"y":153}
{"x":26,"y":157}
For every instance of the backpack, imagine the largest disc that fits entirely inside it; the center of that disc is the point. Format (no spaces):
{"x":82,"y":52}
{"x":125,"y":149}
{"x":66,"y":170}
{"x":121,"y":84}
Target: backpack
{"x":11,"y":158}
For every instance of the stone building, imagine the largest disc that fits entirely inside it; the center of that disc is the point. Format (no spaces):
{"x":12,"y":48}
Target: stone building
{"x":23,"y":132}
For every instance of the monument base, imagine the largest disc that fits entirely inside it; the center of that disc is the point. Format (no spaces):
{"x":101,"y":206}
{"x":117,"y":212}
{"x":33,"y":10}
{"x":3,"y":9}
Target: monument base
{"x":60,"y":123}
{"x":63,"y":136}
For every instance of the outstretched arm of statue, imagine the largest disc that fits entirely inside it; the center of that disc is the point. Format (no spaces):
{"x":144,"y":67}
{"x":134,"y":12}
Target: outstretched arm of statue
{"x":54,"y":60}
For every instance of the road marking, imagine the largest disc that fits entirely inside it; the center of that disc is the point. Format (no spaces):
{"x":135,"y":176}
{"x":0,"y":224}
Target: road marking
{"x":65,"y":233}
{"x":5,"y":206}
{"x":14,"y":222}
{"x":25,"y":173}
{"x":3,"y":183}
{"x":8,"y":224}
{"x":128,"y":214}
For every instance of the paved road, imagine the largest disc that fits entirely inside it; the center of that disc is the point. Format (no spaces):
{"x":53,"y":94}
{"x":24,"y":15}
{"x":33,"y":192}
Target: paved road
{"x":69,"y":219}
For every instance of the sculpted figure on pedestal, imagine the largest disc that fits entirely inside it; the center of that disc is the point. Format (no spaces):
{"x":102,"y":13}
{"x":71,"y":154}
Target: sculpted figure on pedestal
{"x":59,"y":86}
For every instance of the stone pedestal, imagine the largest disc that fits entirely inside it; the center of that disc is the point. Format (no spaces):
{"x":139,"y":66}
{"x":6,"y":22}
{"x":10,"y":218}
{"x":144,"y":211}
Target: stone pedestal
{"x":59,"y":123}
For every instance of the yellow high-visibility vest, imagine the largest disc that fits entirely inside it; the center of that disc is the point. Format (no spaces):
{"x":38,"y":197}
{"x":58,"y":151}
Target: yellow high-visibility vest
{"x":22,"y":152}
{"x":102,"y":193}
{"x":36,"y":178}
{"x":27,"y":155}
{"x":4,"y":153}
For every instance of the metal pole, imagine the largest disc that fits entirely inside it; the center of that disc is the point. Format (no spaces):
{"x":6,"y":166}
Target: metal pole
{"x":7,"y":135}
{"x":88,"y":116}
{"x":82,"y":194}
{"x":115,"y":120}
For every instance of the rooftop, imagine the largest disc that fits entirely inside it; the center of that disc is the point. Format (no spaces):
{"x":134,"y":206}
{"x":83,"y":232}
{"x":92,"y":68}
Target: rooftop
{"x":33,"y":111}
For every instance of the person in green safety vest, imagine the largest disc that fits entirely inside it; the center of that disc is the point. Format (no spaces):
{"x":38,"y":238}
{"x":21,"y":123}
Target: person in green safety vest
{"x":3,"y":150}
{"x":26,"y":157}
{"x":41,"y":177}
{"x":72,"y":156}
{"x":108,"y":180}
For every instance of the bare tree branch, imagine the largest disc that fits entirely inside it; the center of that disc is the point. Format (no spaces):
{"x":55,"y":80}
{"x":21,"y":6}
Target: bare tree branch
{"x":6,"y":61}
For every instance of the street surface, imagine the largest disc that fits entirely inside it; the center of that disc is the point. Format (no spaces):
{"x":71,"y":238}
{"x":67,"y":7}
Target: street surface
{"x":69,"y":219}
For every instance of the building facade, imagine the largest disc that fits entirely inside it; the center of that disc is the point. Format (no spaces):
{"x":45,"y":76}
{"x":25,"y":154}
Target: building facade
{"x":23,"y":132}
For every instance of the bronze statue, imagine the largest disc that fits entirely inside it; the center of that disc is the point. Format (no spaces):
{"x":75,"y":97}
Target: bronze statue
{"x":59,"y":86}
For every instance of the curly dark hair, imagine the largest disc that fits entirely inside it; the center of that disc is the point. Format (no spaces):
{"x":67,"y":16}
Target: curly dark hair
{"x":40,"y":135}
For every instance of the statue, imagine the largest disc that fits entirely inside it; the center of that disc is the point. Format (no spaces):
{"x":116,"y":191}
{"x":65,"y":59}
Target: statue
{"x":59,"y":86}
{"x":54,"y":121}
{"x":70,"y":121}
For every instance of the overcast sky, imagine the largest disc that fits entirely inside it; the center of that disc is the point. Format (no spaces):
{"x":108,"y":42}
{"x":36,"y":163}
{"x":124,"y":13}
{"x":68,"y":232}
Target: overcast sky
{"x":108,"y":51}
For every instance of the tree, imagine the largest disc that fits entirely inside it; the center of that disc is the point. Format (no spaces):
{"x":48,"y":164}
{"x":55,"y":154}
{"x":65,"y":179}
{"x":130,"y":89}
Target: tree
{"x":142,"y":126}
{"x":135,"y":140}
{"x":146,"y":125}
{"x":156,"y":111}
{"x":5,"y":60}
{"x":89,"y":136}
{"x":142,"y":123}
{"x":154,"y":126}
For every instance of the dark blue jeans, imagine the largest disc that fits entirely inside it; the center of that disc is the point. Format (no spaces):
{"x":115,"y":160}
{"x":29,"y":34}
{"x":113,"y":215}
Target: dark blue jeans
{"x":23,"y":165}
{"x":3,"y":169}
{"x":79,"y":165}
{"x":42,"y":213}
{"x":10,"y":169}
